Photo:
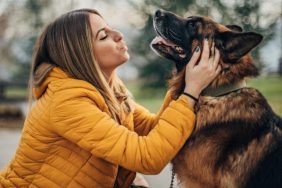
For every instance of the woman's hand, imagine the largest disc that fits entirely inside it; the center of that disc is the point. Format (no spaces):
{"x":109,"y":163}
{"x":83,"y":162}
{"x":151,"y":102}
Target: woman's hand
{"x":199,"y":76}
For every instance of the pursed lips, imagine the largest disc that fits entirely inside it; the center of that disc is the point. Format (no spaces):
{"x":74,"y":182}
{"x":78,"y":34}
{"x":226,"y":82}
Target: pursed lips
{"x":123,"y":46}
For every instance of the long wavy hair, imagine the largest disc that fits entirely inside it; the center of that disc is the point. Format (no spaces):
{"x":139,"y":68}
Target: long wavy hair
{"x":67,"y":43}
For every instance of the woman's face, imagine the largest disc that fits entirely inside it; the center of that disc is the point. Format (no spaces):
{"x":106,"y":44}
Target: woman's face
{"x":110,"y":49}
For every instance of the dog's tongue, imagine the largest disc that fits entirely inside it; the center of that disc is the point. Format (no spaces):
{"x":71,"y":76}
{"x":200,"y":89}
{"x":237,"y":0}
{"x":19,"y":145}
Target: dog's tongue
{"x":160,"y":40}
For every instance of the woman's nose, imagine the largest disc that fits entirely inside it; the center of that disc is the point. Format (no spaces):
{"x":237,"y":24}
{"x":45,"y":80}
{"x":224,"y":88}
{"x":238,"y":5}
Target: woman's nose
{"x":117,"y":35}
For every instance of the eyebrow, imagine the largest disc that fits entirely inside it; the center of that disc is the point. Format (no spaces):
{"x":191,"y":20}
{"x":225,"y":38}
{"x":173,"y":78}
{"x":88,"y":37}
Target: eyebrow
{"x":99,"y":32}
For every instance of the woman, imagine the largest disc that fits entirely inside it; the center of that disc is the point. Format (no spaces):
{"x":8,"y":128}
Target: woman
{"x":84,"y":130}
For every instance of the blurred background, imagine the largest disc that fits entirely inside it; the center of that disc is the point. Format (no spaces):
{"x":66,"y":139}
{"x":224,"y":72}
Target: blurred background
{"x":21,"y":21}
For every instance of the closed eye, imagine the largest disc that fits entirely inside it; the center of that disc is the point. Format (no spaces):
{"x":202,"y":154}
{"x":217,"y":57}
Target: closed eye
{"x":103,"y":38}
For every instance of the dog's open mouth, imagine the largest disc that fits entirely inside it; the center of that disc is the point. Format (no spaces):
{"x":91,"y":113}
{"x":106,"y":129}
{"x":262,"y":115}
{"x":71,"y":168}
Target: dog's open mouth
{"x":158,"y":40}
{"x":167,"y":48}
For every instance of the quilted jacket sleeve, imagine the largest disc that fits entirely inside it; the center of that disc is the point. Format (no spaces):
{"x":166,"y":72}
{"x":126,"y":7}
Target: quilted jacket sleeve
{"x":80,"y":121}
{"x":144,"y":121}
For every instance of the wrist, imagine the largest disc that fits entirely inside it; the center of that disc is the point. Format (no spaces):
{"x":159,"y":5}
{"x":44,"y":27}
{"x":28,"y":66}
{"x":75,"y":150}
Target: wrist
{"x":191,"y":102}
{"x":194,"y":91}
{"x":196,"y":99}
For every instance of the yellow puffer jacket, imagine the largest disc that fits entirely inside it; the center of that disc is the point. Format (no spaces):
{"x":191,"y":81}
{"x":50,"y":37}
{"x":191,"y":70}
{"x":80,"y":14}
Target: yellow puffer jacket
{"x":70,"y":140}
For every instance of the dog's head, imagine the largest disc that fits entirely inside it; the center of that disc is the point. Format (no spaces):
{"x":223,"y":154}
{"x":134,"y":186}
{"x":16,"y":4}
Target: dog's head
{"x":178,"y":37}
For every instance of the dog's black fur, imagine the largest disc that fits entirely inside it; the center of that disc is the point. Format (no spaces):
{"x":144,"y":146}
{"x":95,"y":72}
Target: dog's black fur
{"x":237,"y":141}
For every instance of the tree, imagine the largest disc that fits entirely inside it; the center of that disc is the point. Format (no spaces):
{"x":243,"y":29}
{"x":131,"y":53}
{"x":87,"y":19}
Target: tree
{"x":32,"y":10}
{"x":8,"y":9}
{"x":249,"y":15}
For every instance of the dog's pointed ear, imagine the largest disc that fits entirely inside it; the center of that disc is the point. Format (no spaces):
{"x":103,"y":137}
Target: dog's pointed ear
{"x":235,"y":28}
{"x":235,"y":45}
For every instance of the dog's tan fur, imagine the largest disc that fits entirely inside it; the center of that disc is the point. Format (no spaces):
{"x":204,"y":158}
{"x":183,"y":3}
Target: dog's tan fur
{"x":204,"y":176}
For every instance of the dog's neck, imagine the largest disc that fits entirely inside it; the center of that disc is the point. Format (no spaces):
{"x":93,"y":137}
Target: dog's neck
{"x":246,"y":104}
{"x":222,"y":90}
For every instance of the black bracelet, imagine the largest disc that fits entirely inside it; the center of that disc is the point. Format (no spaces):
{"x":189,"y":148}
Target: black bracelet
{"x":191,"y":96}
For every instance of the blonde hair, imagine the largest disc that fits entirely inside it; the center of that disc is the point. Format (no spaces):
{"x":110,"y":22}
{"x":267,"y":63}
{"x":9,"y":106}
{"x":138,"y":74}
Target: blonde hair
{"x":67,"y":43}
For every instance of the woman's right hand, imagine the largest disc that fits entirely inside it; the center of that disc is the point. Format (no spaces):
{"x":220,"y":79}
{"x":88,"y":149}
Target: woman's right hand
{"x":199,"y":76}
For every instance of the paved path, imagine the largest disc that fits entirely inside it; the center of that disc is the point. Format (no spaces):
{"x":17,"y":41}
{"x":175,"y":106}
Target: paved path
{"x":9,"y":139}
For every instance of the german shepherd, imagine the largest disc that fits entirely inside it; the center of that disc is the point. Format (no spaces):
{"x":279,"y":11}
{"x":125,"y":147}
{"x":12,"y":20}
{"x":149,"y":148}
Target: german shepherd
{"x":237,"y":140}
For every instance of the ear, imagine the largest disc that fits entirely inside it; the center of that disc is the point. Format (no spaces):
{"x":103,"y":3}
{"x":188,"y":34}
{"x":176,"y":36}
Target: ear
{"x":235,"y":45}
{"x":235,"y":28}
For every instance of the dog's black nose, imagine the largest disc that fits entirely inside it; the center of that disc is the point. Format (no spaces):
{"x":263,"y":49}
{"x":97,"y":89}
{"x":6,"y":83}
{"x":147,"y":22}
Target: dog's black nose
{"x":158,"y":13}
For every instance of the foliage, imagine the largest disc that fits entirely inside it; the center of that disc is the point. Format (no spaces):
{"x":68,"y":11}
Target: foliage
{"x":248,"y":14}
{"x":34,"y":8}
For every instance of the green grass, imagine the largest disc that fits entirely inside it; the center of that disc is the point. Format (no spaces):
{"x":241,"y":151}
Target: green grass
{"x":16,"y":92}
{"x":153,"y":104}
{"x":151,"y":99}
{"x":270,"y":87}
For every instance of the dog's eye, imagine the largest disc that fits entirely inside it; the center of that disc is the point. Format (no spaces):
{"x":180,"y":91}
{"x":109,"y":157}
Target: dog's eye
{"x":191,"y":24}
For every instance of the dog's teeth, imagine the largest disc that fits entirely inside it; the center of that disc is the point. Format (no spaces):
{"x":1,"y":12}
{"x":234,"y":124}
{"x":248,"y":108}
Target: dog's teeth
{"x":179,"y":49}
{"x":182,"y":55}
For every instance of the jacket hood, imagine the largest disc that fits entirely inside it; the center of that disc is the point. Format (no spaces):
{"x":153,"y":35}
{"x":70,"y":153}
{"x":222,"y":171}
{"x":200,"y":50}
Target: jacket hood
{"x":57,"y":79}
{"x":54,"y":75}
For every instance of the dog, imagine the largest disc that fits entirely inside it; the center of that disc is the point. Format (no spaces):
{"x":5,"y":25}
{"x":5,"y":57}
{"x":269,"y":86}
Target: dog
{"x":237,"y":140}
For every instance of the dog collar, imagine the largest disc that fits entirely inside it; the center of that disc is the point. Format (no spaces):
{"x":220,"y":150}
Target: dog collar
{"x":224,"y":90}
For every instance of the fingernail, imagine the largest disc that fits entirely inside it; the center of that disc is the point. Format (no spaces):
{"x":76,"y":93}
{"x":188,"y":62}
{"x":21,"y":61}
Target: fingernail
{"x":197,"y":49}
